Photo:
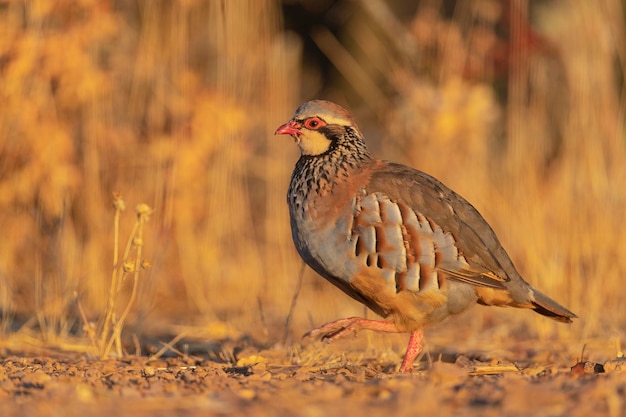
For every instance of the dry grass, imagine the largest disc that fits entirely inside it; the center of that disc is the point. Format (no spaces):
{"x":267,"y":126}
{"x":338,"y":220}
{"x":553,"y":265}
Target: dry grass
{"x":175,"y":103}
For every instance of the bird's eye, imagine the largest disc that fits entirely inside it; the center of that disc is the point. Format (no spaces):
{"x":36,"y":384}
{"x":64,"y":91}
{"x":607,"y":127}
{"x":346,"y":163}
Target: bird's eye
{"x":314,"y":123}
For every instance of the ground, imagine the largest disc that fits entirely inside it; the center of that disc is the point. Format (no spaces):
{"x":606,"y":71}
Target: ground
{"x":311,"y":379}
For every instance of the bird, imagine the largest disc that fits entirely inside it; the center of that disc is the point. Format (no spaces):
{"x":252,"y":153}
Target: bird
{"x":392,"y":237}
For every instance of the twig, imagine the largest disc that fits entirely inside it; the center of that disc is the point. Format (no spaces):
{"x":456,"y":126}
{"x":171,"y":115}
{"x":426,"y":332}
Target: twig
{"x":292,"y":307}
{"x":167,"y":346}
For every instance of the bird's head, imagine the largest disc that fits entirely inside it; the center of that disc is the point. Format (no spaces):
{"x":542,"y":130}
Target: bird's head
{"x":319,"y":126}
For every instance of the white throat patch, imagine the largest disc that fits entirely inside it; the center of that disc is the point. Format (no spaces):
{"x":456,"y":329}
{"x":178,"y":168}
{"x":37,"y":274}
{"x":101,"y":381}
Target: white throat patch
{"x":311,"y":142}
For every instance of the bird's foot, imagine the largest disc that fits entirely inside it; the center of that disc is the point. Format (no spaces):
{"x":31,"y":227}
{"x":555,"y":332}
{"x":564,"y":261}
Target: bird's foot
{"x":337,"y":329}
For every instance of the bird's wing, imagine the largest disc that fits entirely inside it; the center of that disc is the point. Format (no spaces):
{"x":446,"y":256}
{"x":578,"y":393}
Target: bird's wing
{"x":462,"y":227}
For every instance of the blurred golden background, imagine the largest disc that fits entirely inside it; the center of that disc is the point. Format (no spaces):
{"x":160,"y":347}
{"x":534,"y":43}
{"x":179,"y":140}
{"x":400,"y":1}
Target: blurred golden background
{"x":518,"y":105}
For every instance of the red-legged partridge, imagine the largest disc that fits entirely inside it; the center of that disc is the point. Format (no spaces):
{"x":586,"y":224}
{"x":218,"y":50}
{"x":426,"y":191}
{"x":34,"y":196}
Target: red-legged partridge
{"x":393,"y":238}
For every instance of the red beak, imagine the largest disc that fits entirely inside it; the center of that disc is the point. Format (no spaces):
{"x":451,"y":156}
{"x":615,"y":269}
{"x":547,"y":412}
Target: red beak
{"x":290,"y":128}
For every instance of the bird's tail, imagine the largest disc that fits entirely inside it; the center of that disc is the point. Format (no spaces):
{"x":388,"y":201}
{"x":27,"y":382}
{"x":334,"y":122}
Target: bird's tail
{"x":546,"y":306}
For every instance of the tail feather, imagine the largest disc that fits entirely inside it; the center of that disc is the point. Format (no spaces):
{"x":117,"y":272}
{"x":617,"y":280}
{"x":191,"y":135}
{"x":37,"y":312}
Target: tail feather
{"x":546,"y":306}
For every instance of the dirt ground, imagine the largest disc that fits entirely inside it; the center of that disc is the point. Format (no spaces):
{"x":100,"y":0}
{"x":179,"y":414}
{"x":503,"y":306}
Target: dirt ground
{"x":311,"y":379}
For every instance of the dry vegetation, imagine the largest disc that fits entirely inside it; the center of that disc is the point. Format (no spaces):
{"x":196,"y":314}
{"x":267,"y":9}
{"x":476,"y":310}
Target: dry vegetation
{"x":516,"y":104}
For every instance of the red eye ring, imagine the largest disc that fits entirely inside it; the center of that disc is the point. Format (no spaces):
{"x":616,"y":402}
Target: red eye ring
{"x":314,"y":123}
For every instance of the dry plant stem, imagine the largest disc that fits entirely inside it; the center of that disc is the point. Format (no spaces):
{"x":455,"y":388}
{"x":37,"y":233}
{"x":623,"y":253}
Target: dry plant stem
{"x":110,"y":308}
{"x":111,"y":329}
{"x":83,"y":316}
{"x":136,"y":239}
{"x":184,"y":356}
{"x":167,"y":346}
{"x":294,"y":300}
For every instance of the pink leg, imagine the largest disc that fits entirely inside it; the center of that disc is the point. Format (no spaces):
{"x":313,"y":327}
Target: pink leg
{"x":343,"y":327}
{"x":414,"y":349}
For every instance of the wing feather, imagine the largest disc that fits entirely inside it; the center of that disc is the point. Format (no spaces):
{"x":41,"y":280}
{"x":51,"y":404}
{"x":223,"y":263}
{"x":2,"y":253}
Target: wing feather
{"x":465,"y":231}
